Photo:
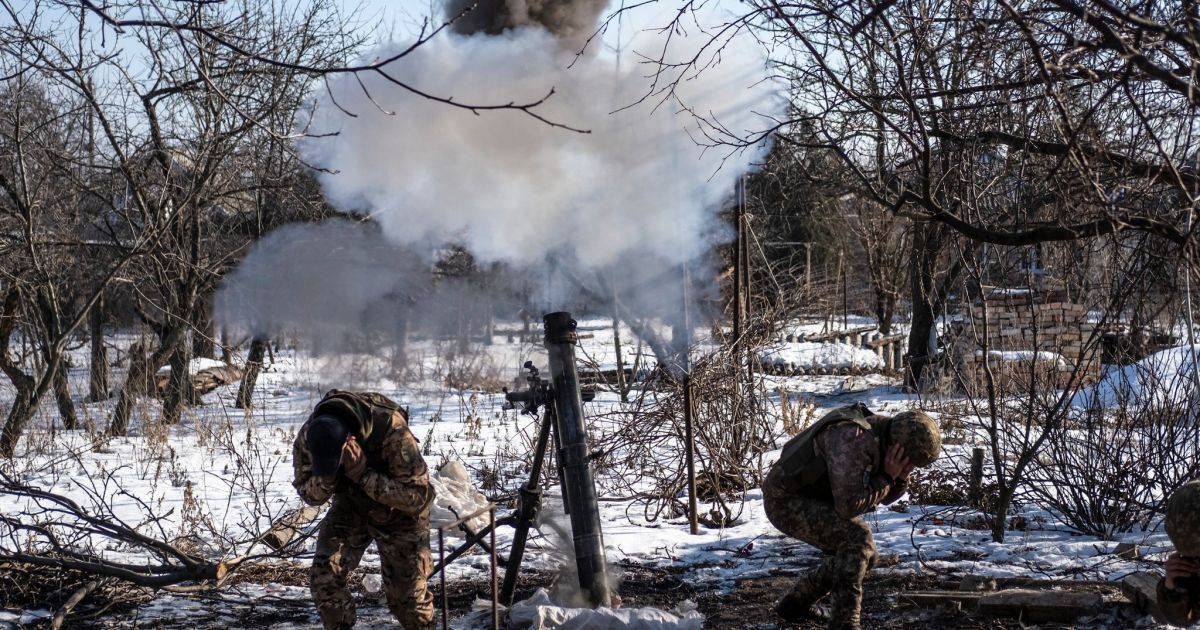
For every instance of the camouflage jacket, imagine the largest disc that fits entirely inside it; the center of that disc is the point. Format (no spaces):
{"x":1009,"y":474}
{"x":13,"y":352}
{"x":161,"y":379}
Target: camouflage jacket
{"x":1180,"y":606}
{"x":396,"y":481}
{"x":854,"y":458}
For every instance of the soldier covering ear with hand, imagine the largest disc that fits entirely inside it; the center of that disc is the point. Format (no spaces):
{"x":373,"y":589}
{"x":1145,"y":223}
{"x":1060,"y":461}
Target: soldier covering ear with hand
{"x":845,"y":464}
{"x":357,"y":449}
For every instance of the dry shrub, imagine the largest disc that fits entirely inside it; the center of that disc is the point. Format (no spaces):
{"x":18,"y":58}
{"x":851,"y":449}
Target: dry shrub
{"x":645,"y":454}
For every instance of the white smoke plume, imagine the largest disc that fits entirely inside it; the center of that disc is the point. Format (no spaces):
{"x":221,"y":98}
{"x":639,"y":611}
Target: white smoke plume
{"x":619,"y":209}
{"x":513,"y":189}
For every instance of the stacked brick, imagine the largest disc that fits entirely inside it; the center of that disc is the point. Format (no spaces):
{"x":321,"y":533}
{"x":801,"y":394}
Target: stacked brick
{"x":1033,"y":341}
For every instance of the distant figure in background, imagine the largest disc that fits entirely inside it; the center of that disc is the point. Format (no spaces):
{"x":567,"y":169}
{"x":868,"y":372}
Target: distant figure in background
{"x":357,"y":448}
{"x":1179,"y":589}
{"x":845,"y":464}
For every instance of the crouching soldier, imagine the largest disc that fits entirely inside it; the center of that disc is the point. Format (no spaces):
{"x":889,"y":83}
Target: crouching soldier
{"x":1179,"y":589}
{"x":845,"y":464}
{"x":357,"y":448}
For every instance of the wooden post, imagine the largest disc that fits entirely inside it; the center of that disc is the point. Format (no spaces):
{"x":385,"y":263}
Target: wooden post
{"x":808,"y":270}
{"x":975,"y":491}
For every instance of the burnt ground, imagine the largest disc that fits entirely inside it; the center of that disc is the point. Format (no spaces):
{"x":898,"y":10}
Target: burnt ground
{"x":748,"y":604}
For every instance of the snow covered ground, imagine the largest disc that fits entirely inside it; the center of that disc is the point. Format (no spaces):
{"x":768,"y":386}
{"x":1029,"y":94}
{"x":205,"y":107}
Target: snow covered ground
{"x":222,"y":476}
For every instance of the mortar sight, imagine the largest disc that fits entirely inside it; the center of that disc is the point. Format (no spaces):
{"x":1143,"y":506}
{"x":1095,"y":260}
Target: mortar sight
{"x":539,"y":392}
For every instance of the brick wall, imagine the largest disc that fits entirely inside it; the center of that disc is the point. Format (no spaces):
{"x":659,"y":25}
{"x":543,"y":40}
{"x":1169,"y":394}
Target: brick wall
{"x":1046,"y":331}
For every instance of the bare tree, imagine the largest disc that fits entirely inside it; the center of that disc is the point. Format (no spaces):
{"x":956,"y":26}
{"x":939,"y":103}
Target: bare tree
{"x":1075,"y":119}
{"x":48,"y":292}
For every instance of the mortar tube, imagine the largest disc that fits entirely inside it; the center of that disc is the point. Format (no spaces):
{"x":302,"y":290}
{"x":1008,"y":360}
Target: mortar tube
{"x":577,"y":481}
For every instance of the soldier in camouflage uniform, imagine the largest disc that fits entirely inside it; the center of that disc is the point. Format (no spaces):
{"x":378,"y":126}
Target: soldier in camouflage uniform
{"x":1179,"y":589}
{"x":357,"y":448}
{"x":845,"y":464}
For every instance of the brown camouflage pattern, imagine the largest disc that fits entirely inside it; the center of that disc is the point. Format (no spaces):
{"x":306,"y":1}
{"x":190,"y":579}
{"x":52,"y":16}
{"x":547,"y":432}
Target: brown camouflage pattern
{"x":1182,"y":520}
{"x":1180,"y":606}
{"x":390,"y":506}
{"x":854,"y":459}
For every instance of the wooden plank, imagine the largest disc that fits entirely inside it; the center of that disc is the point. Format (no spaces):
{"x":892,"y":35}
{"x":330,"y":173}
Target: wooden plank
{"x":1141,"y":588}
{"x":1038,"y":606}
{"x":285,"y":528}
{"x":936,"y":599}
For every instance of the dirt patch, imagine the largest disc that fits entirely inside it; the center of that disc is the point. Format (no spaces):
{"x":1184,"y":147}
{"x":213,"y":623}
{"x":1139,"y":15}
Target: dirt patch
{"x":751,"y":603}
{"x":748,"y":604}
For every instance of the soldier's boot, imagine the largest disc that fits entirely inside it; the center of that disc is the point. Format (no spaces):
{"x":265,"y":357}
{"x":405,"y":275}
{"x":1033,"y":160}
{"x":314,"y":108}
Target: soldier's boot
{"x":334,"y":602}
{"x":801,"y":604}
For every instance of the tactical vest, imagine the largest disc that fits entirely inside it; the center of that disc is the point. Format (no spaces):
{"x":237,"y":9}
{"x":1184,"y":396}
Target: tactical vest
{"x":802,"y":471}
{"x":374,"y":410}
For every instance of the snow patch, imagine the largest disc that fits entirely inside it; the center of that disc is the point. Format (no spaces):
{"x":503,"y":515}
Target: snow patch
{"x":539,"y":612}
{"x":821,"y":355}
{"x":196,"y":365}
{"x":1161,"y":379}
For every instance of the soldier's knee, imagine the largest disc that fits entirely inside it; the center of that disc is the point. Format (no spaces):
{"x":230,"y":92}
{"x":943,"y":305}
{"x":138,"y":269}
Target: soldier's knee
{"x":322,"y":568}
{"x":319,"y":572}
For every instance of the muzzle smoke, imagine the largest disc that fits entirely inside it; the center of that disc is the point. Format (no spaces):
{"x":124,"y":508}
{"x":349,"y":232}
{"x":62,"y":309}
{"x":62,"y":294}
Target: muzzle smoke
{"x":629,"y":201}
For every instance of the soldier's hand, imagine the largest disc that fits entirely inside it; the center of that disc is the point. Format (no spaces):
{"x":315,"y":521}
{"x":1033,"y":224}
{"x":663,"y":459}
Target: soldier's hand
{"x":895,"y":462}
{"x":354,"y":462}
{"x":1179,"y":567}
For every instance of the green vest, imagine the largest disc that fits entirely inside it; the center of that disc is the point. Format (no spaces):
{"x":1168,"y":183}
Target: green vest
{"x":802,"y":471}
{"x":374,"y":415}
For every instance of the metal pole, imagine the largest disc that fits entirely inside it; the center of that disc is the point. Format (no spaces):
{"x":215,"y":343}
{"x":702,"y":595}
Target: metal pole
{"x":442,"y":560}
{"x":577,"y":482}
{"x":495,"y":592}
{"x":693,"y":515}
{"x":530,"y":500}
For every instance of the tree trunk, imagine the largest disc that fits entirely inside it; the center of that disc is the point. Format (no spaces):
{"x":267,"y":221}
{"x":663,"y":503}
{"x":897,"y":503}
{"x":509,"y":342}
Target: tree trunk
{"x":18,"y":418}
{"x":922,"y":344}
{"x":62,"y":394}
{"x":1000,"y":518}
{"x":254,"y":362}
{"x":98,"y":363}
{"x":622,"y":387}
{"x":226,"y":348}
{"x":204,"y":338}
{"x":141,"y":370}
{"x":181,"y":391}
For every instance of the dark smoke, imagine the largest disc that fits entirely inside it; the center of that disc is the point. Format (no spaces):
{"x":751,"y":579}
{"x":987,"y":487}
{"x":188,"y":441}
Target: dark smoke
{"x":571,"y":21}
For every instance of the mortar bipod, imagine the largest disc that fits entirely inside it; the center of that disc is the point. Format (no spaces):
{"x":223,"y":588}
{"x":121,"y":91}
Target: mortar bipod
{"x":529,"y":498}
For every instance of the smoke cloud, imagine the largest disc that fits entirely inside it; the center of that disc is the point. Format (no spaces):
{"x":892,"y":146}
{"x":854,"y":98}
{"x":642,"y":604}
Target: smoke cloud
{"x":571,"y":21}
{"x":333,"y":280}
{"x":512,"y":189}
{"x":618,"y":210}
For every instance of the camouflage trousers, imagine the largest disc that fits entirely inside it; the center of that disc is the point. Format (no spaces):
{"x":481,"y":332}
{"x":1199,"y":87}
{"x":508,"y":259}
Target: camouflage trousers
{"x":403,"y":557}
{"x":847,"y":544}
